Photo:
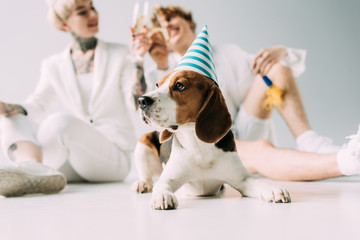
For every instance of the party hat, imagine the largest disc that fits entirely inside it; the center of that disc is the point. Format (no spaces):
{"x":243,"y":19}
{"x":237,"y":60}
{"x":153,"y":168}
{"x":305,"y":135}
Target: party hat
{"x":199,"y":57}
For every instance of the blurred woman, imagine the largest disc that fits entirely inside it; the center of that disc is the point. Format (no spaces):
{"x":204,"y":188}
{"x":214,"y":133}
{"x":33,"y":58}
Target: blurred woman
{"x":92,"y":141}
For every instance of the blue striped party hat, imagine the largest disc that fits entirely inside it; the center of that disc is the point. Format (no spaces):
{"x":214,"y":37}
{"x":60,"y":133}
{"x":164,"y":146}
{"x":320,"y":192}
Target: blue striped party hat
{"x":199,"y":57}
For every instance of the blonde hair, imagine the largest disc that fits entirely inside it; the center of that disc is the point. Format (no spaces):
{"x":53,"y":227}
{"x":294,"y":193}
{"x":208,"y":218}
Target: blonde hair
{"x":60,"y":11}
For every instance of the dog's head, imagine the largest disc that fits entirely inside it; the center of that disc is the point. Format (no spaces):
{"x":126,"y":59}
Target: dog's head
{"x":186,"y":97}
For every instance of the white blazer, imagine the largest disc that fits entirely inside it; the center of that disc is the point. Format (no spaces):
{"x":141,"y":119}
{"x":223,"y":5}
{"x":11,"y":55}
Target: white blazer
{"x":108,"y":109}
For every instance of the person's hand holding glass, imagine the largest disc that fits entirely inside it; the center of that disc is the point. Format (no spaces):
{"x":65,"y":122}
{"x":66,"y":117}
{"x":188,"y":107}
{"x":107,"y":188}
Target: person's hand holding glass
{"x":153,"y":40}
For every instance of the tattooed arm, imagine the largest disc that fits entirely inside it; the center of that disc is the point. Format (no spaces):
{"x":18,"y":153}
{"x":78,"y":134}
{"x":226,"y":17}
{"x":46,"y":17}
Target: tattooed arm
{"x":141,"y":44}
{"x":9,"y":110}
{"x":139,"y":86}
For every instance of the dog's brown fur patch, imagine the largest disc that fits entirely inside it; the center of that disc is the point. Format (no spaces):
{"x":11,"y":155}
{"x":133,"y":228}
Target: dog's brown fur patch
{"x":152,"y":141}
{"x":165,"y":136}
{"x":189,"y":101}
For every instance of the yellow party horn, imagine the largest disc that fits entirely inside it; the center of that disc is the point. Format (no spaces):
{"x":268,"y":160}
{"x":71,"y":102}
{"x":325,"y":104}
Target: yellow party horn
{"x":274,"y":95}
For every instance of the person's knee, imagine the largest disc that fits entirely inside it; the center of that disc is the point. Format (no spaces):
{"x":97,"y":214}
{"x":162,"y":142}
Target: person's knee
{"x":280,"y":69}
{"x":281,"y":74}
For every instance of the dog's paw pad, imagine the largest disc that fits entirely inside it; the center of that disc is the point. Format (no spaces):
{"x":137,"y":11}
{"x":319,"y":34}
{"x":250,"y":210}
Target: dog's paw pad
{"x":141,"y":186}
{"x":164,"y":201}
{"x":276,"y":195}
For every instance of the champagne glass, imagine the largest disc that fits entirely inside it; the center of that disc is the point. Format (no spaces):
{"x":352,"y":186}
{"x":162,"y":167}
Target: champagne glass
{"x":140,"y":20}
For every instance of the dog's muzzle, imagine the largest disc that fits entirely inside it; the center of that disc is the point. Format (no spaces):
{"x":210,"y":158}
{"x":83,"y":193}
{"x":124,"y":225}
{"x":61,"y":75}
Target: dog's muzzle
{"x":145,"y":101}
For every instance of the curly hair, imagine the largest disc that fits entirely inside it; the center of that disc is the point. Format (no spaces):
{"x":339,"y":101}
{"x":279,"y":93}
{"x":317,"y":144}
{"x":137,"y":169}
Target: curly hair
{"x":170,"y":12}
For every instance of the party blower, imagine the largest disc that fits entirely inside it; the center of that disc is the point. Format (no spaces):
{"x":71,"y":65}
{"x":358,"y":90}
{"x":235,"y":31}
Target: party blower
{"x":274,"y":95}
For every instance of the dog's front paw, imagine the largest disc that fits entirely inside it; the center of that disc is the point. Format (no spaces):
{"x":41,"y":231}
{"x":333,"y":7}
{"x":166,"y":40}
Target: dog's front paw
{"x":164,"y":200}
{"x":276,"y":195}
{"x":142,"y":186}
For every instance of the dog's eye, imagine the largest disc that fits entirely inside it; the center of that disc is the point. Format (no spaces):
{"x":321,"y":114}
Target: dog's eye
{"x":179,"y":87}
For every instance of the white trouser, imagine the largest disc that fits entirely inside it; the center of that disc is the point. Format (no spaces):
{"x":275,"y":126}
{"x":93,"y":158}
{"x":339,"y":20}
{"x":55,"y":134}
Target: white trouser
{"x":251,"y":128}
{"x":69,"y":145}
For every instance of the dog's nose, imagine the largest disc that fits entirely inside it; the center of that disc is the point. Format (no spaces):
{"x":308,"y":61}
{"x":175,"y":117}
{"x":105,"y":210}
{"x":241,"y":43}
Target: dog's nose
{"x":145,"y":101}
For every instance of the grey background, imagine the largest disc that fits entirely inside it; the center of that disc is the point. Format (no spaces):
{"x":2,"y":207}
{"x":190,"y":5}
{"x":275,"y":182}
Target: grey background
{"x":327,"y":29}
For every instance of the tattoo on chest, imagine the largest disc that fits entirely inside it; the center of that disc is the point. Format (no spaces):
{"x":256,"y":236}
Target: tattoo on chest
{"x":83,"y":62}
{"x":82,"y":53}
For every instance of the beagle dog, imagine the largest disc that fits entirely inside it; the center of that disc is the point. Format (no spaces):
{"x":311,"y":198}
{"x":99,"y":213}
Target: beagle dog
{"x":189,"y":109}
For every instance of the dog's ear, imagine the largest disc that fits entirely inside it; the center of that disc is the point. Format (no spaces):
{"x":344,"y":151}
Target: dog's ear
{"x":213,"y":120}
{"x":165,"y":136}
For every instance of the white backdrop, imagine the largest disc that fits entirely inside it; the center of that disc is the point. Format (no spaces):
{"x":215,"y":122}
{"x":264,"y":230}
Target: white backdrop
{"x":328,"y":29}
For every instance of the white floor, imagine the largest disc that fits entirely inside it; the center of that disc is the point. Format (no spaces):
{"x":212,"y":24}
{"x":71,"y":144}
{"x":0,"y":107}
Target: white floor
{"x":320,"y":210}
